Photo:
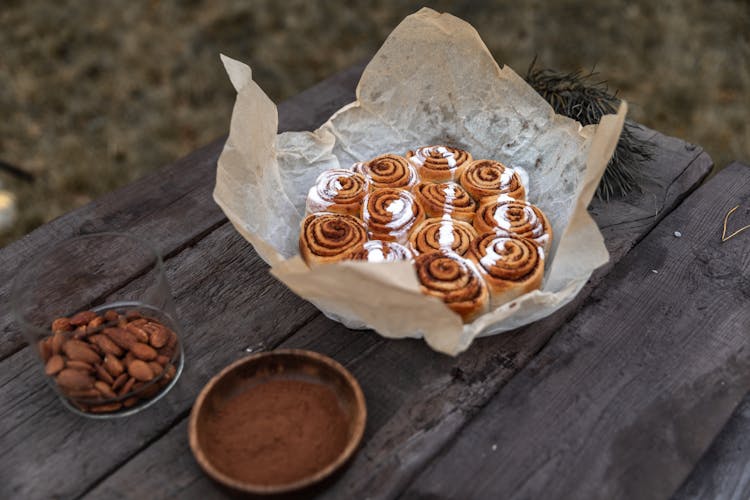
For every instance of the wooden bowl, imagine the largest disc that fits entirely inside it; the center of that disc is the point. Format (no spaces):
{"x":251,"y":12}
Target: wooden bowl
{"x":259,"y":368}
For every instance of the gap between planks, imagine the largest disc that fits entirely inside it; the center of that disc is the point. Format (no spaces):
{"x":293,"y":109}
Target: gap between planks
{"x":378,"y":349}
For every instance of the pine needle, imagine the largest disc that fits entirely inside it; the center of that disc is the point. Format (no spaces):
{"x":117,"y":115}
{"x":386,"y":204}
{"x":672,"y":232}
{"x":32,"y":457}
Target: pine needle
{"x":581,"y":97}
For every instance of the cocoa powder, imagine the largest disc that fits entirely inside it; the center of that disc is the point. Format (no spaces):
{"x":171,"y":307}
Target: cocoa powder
{"x":277,"y":432}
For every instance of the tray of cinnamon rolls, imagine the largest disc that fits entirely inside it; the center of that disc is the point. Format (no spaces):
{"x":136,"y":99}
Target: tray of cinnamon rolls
{"x":474,"y":240}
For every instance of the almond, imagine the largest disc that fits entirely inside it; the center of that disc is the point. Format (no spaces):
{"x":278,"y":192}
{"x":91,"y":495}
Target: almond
{"x":143,"y":351}
{"x":159,"y":337}
{"x":104,"y":389}
{"x":88,"y":394}
{"x":140,"y":370}
{"x":120,"y":381}
{"x":80,"y":365}
{"x":111,"y":315}
{"x":74,"y":380}
{"x":61,"y":325}
{"x":172,"y":341}
{"x":133,"y":314}
{"x":138,"y":332}
{"x":150,"y":391}
{"x":106,"y":344}
{"x":170,"y":372}
{"x":80,"y":332}
{"x":78,"y":350}
{"x":58,"y":339}
{"x":113,"y":365}
{"x":162,"y":360}
{"x":55,"y":364}
{"x":94,"y":324}
{"x":104,"y":374}
{"x":105,"y":408}
{"x":126,"y":388}
{"x":156,"y":368}
{"x":123,"y":338}
{"x":130,"y":402}
{"x":45,"y":349}
{"x":129,"y":358}
{"x":82,"y":318}
{"x":167,"y":351}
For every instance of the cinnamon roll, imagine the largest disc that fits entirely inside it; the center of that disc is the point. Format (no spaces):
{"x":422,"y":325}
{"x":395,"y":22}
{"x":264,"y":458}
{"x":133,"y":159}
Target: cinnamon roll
{"x":327,"y":237}
{"x":380,"y":251}
{"x":515,"y":217}
{"x":510,"y":265}
{"x":455,"y":281}
{"x":442,"y":234}
{"x":445,"y":199}
{"x":483,"y":178}
{"x":339,"y":191}
{"x":439,"y":163}
{"x":388,"y":171}
{"x":390,"y":214}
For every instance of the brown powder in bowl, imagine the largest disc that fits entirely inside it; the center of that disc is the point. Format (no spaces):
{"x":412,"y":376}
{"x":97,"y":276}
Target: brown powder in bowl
{"x":277,"y":432}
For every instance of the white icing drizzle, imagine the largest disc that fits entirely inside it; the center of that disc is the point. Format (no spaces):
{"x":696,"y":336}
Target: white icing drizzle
{"x":326,"y":188}
{"x":395,"y":206}
{"x":506,"y":177}
{"x":374,"y":251}
{"x":403,"y":213}
{"x":491,"y":257}
{"x":445,"y":233}
{"x":401,"y":210}
{"x":380,"y":251}
{"x":421,"y":155}
{"x":450,"y":195}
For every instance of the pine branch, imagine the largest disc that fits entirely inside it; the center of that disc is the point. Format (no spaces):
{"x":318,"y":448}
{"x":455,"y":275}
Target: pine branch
{"x":579,"y":96}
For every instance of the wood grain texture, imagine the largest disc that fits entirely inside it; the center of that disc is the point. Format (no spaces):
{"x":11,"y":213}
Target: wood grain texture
{"x":724,"y":470}
{"x":629,"y":394}
{"x":417,"y":399}
{"x":49,"y":451}
{"x":211,"y":273}
{"x":172,"y":207}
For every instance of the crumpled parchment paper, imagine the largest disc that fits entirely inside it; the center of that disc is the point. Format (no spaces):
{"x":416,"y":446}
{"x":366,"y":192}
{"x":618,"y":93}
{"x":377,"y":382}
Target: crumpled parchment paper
{"x":432,"y":82}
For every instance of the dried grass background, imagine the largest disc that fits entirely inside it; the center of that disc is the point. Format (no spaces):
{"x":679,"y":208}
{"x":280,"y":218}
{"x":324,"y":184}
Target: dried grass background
{"x":95,"y":94}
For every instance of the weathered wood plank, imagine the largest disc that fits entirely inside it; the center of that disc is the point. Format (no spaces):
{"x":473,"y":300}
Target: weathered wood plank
{"x":724,"y":470}
{"x":48,"y":451}
{"x":630,"y":393}
{"x":172,"y":207}
{"x":418,"y":399}
{"x":211,"y":274}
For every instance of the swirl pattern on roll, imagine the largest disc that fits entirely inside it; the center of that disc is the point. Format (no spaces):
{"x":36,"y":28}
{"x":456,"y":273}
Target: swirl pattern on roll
{"x":483,"y":178}
{"x":511,"y":265}
{"x":390,"y":214}
{"x":455,"y":281}
{"x":439,"y":163}
{"x":328,"y":237}
{"x":381,"y":251}
{"x":337,"y":190}
{"x":442,"y":234}
{"x":388,"y":171}
{"x":445,"y":199}
{"x":514,"y":217}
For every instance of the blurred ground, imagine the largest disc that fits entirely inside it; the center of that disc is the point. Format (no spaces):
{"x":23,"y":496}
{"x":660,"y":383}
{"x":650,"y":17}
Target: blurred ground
{"x":95,"y":94}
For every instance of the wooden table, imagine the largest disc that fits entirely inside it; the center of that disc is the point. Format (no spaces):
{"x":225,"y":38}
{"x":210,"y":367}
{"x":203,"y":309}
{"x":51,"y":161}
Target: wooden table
{"x":619,"y":395}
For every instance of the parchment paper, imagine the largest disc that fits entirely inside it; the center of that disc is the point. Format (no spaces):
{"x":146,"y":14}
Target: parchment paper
{"x":432,"y":82}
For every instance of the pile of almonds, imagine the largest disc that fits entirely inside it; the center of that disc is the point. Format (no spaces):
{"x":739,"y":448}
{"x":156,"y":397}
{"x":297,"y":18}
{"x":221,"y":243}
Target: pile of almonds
{"x":109,"y":362}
